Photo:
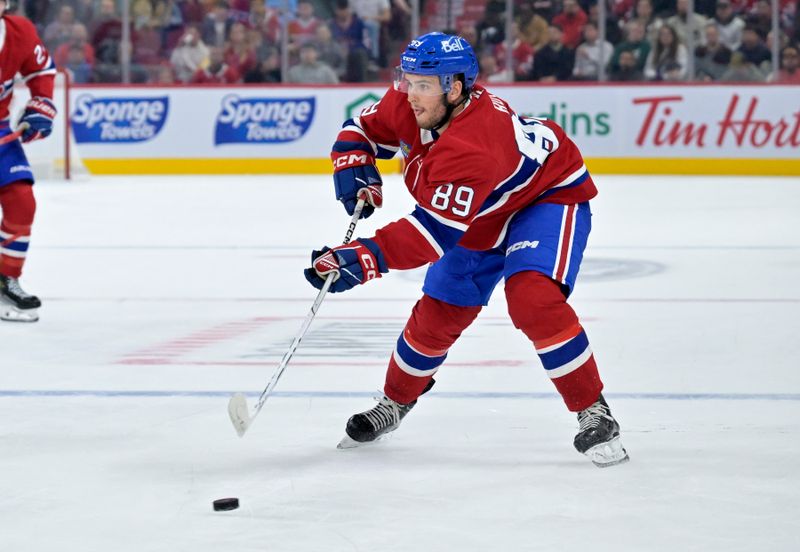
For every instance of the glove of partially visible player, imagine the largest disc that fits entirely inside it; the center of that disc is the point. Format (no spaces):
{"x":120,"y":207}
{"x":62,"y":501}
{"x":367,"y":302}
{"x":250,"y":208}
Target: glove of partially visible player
{"x":355,"y":177}
{"x":350,"y":265}
{"x":39,"y":114}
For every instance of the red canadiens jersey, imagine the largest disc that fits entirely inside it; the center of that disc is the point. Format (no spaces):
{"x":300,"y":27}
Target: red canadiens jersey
{"x":470,"y":181}
{"x":22,"y":52}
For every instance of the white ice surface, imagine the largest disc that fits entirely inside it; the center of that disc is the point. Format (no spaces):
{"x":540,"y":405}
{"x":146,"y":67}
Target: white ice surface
{"x":163,"y":295}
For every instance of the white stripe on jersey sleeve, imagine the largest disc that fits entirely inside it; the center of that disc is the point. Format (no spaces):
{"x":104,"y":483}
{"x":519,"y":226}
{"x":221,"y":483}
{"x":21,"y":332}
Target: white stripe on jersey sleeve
{"x":444,"y":221}
{"x":425,"y":234}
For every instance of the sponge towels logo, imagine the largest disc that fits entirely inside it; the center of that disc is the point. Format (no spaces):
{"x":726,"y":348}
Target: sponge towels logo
{"x":263,"y":120}
{"x":112,"y":120}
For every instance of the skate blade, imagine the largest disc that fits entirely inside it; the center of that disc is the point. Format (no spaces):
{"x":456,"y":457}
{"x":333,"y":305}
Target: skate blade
{"x":10,"y":313}
{"x":608,"y":454}
{"x":348,"y":442}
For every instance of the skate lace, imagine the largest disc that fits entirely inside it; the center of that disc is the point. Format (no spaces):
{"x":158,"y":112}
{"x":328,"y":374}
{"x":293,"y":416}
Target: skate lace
{"x":590,"y":418}
{"x":13,"y":287}
{"x":384,"y":414}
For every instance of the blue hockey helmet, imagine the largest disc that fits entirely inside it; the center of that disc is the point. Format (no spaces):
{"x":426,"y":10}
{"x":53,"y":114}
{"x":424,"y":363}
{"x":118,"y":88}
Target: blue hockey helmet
{"x":440,"y":55}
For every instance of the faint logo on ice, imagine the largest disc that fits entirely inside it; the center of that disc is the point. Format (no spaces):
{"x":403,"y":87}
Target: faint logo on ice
{"x":112,"y":120}
{"x":351,"y":338}
{"x":263,"y":120}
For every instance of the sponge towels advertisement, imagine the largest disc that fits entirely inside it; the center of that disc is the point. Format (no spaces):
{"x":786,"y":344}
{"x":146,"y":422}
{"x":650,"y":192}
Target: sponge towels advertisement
{"x":713,"y":129}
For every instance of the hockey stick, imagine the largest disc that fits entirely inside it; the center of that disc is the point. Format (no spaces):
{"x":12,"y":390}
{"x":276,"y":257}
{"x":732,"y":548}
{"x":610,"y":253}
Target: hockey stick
{"x":14,"y":135}
{"x":240,"y":415}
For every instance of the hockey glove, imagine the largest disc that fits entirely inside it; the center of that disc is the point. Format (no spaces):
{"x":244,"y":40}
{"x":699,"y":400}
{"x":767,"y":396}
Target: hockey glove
{"x":351,"y":264}
{"x":355,"y":176}
{"x":39,"y":114}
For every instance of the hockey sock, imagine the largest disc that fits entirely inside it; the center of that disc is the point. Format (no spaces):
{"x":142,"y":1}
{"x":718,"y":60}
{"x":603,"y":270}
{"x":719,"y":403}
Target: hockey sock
{"x":539,"y":308}
{"x":18,"y":205}
{"x":422,"y":347}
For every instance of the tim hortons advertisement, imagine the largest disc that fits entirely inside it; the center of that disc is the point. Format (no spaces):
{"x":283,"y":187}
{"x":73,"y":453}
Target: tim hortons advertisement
{"x":637,"y":129}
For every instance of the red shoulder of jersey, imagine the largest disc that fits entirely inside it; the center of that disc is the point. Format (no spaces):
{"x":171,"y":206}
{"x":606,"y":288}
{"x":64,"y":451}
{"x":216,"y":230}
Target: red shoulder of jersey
{"x":22,"y":51}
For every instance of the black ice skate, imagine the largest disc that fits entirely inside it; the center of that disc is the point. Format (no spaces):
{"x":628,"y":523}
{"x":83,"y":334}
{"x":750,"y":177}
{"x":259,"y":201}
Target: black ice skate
{"x":16,"y":305}
{"x":598,"y":437}
{"x":377,"y":422}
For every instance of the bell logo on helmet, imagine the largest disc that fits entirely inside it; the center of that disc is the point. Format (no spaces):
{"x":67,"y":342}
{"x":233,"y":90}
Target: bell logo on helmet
{"x":453,"y":44}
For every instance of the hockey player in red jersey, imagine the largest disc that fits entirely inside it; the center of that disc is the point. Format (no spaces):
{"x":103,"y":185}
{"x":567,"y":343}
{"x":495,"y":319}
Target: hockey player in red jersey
{"x":498,"y":196}
{"x":21,"y":52}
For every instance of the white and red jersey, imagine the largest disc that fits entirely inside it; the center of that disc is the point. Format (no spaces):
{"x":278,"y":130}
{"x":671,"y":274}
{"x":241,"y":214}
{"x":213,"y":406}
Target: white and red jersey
{"x":470,"y":180}
{"x":22,"y":52}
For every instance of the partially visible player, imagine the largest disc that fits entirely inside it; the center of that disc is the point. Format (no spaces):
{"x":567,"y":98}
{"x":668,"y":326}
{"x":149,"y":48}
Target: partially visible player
{"x":498,"y":196}
{"x":23,"y":53}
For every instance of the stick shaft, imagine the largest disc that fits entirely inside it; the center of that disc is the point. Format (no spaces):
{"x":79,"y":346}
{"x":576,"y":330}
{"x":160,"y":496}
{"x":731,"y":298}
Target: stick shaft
{"x":14,"y":135}
{"x":307,"y":322}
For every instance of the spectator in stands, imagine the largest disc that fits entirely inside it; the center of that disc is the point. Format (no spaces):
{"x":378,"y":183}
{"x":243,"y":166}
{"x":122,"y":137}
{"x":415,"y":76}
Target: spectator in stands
{"x":217,"y":70}
{"x":741,"y":70}
{"x":635,"y":43}
{"x":613,"y":28}
{"x":347,"y":29}
{"x":106,"y":39}
{"x":267,"y":22}
{"x":683,"y":21}
{"x":190,"y":55}
{"x":591,"y":54}
{"x":713,"y":57}
{"x":545,"y":8}
{"x":468,"y":32}
{"x":521,"y":55}
{"x":79,"y":68}
{"x":311,"y":70}
{"x":239,"y":52}
{"x":141,"y":12}
{"x":193,"y":11}
{"x":164,"y":75}
{"x":627,"y":69}
{"x":80,"y":39}
{"x":789,"y":72}
{"x":490,"y":71}
{"x":373,"y":13}
{"x":146,"y":51}
{"x":330,"y":51}
{"x":214,"y":30}
{"x":61,"y":30}
{"x":667,"y":54}
{"x":571,"y":21}
{"x":303,"y":28}
{"x":554,"y":61}
{"x":760,"y":18}
{"x":532,"y":26}
{"x":644,"y":14}
{"x":85,"y":11}
{"x":268,"y":70}
{"x":730,"y":26}
{"x":754,"y":50}
{"x":169,"y":19}
{"x":492,"y":28}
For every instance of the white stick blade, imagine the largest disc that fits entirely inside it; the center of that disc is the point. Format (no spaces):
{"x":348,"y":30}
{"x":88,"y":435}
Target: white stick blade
{"x":239,"y":413}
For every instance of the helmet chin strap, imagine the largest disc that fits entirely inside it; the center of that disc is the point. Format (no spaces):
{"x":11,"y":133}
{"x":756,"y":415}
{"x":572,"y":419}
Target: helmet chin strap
{"x":449,"y":108}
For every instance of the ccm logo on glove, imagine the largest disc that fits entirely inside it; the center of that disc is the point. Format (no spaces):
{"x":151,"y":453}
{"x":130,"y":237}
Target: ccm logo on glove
{"x":348,"y":265}
{"x":351,"y":160}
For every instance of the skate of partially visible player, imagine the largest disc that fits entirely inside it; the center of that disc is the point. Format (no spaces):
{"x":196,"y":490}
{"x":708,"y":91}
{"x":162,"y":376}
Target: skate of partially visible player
{"x":23,"y":53}
{"x":498,"y":197}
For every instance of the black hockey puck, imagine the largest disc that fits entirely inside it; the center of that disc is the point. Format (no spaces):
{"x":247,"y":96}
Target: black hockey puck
{"x":225,"y":504}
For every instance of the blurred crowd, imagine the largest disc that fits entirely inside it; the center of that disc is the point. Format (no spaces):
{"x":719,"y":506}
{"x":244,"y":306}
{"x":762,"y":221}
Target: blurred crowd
{"x":332,"y":41}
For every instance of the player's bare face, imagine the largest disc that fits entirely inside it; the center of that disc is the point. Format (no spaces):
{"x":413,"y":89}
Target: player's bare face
{"x":426,"y":97}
